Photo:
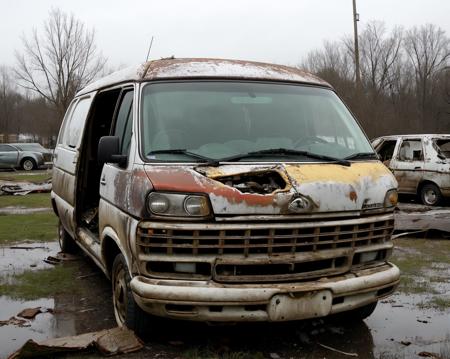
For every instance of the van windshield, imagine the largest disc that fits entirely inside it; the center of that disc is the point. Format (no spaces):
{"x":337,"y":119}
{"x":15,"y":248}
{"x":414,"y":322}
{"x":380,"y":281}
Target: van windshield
{"x":216,"y":120}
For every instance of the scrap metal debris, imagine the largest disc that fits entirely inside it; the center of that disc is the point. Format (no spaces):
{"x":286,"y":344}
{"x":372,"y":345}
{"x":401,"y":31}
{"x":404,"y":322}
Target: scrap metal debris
{"x":413,"y":217}
{"x":107,"y":342}
{"x":23,"y":318}
{"x":30,"y":313}
{"x":15,"y":321}
{"x":23,"y":188}
{"x":429,"y":355}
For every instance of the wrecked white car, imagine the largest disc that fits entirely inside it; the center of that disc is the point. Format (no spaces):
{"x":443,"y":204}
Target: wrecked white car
{"x":421,"y":164}
{"x":224,"y":191}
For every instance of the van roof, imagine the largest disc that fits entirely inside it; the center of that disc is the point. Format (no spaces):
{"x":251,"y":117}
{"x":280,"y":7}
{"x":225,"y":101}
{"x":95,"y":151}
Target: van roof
{"x":192,"y":68}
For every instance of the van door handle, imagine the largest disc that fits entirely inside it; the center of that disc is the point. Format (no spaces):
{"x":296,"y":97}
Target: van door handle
{"x":417,"y":168}
{"x":103,"y":181}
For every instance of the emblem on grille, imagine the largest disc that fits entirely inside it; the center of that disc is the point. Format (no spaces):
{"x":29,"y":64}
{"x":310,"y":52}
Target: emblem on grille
{"x":299,"y":204}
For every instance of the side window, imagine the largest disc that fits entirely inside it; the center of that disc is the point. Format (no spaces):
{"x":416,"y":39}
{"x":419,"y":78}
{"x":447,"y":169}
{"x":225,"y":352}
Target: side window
{"x":386,"y":150}
{"x":124,"y":121}
{"x":6,"y":148}
{"x":65,"y":121}
{"x":75,"y":124}
{"x":411,"y":150}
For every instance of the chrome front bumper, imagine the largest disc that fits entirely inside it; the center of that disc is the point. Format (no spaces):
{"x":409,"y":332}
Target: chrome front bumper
{"x":211,"y":301}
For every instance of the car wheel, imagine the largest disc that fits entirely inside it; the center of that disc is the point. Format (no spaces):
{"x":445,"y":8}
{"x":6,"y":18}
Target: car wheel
{"x":430,"y":194}
{"x":28,"y":164}
{"x":66,"y":242}
{"x":126,"y":310}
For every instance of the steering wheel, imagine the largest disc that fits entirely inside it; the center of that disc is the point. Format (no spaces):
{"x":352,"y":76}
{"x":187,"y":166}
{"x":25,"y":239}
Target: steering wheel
{"x":307,"y":140}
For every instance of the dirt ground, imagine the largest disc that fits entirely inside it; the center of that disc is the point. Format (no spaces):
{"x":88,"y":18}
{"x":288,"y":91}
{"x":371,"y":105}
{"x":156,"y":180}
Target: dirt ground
{"x":414,"y":320}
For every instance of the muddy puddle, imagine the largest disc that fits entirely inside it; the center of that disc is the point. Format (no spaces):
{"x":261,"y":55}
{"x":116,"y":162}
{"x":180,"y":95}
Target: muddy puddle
{"x":82,"y":306}
{"x":401,"y":327}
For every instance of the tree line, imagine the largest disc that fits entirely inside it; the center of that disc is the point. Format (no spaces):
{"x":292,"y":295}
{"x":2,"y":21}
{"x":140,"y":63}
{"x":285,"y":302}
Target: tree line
{"x":405,"y":77}
{"x":404,"y":88}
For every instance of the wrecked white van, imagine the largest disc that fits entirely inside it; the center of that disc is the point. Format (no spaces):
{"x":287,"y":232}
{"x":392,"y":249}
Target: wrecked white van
{"x":219,"y":190}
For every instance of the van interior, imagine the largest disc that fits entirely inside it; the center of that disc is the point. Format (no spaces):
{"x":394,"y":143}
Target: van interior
{"x":99,"y":123}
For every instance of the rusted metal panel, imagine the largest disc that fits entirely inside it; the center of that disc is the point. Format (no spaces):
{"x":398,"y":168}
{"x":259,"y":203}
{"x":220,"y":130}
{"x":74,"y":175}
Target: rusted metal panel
{"x":330,"y":188}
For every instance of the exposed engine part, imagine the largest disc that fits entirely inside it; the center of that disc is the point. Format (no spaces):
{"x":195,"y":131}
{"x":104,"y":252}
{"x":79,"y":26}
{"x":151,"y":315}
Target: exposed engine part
{"x":261,"y":183}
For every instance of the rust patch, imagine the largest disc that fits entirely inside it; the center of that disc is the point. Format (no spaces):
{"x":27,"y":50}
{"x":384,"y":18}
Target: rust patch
{"x":165,"y":68}
{"x":188,"y":180}
{"x":336,"y":173}
{"x":353,"y":196}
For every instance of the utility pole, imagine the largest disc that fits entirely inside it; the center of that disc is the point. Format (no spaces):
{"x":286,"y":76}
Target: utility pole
{"x":355,"y":28}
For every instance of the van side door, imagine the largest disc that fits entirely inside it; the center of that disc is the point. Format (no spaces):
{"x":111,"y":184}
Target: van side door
{"x":408,"y":165}
{"x":66,"y":156}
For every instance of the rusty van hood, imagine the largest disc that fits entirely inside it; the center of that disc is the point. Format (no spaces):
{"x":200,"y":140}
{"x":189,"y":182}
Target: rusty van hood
{"x":270,"y":189}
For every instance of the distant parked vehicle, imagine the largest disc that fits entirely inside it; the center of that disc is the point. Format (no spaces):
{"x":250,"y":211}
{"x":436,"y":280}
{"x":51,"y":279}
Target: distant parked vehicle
{"x":27,"y":156}
{"x":421,"y":164}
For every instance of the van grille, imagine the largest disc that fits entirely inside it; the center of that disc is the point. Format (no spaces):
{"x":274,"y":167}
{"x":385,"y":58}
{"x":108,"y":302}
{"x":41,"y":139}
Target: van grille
{"x":270,"y":241}
{"x":261,"y":247}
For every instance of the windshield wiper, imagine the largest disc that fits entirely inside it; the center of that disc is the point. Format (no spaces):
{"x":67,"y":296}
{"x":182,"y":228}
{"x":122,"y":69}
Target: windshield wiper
{"x":209,"y":161}
{"x":363,"y":156}
{"x":287,"y":152}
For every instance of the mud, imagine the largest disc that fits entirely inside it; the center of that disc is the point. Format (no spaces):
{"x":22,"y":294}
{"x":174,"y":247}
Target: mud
{"x":402,"y":318}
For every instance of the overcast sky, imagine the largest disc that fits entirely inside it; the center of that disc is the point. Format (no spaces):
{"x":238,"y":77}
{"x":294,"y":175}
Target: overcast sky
{"x":280,"y":31}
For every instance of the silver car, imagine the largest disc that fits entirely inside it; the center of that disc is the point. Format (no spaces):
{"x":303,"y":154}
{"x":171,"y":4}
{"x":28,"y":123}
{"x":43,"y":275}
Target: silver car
{"x":27,"y":156}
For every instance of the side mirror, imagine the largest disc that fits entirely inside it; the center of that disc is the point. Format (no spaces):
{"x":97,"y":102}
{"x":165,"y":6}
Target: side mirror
{"x":109,"y":151}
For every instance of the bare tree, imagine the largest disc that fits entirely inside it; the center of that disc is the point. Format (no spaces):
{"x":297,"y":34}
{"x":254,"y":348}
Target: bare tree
{"x":380,"y":55}
{"x":8,"y":99}
{"x":428,"y":48}
{"x":59,"y":60}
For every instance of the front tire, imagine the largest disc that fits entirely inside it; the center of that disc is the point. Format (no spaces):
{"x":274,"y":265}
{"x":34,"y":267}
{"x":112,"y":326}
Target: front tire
{"x":126,"y":310}
{"x":28,"y":164}
{"x":430,"y":194}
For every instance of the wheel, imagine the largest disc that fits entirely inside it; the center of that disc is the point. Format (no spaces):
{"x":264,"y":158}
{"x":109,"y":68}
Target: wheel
{"x":28,"y":164}
{"x":66,"y":242}
{"x":126,"y":310}
{"x":430,"y":194}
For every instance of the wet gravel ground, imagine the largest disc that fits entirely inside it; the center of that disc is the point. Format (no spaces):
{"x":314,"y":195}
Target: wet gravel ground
{"x":399,"y":328}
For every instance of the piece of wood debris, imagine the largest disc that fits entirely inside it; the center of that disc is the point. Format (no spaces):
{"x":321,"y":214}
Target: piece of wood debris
{"x":338,"y":351}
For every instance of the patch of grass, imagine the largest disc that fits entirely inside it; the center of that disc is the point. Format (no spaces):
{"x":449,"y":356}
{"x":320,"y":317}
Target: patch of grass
{"x":440,"y":303}
{"x":412,"y":265}
{"x":32,"y":200}
{"x":41,"y":284}
{"x":36,"y":227}
{"x":411,"y":285}
{"x":35,"y":176}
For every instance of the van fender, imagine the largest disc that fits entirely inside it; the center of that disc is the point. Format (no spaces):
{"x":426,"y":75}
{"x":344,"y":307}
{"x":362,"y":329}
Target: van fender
{"x":108,"y":231}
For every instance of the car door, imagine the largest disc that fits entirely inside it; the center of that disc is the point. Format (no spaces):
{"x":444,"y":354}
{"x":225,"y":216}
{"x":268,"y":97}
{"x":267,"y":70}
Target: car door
{"x":408,"y":165}
{"x":8,"y":156}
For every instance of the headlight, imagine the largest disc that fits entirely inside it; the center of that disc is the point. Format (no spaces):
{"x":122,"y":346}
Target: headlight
{"x":178,"y":205}
{"x":196,"y":206}
{"x":391,"y":198}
